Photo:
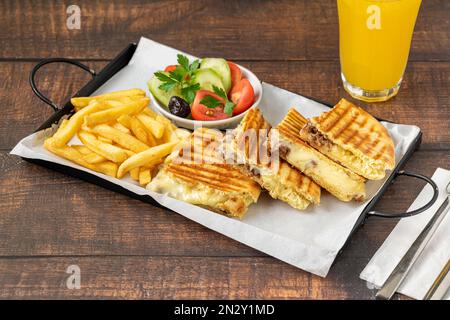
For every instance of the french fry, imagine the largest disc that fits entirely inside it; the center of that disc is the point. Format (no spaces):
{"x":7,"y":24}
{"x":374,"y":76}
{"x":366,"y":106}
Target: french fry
{"x":78,"y":108}
{"x":85,"y":127}
{"x":137,"y":128}
{"x":139,"y":131}
{"x":84,"y":101}
{"x":94,"y":158}
{"x":82,"y":149}
{"x":129,"y":153}
{"x":125,"y":120}
{"x":110,"y":152}
{"x":66,"y":133}
{"x":169,"y":133}
{"x":153,"y":126}
{"x":144,"y":176}
{"x":145,"y":157}
{"x":121,"y":128}
{"x":114,"y":103}
{"x":134,"y":174}
{"x":103,"y":139}
{"x":114,"y":113}
{"x":66,"y":152}
{"x":74,"y":155}
{"x":153,"y":165}
{"x":149,"y":112}
{"x":120,"y":134}
{"x":163,"y":120}
{"x":109,"y":168}
{"x":63,"y":123}
{"x":125,"y":140}
{"x":151,"y":138}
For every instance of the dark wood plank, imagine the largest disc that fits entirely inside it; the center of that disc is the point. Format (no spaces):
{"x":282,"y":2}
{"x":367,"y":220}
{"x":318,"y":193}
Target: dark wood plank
{"x":174,"y":278}
{"x":48,"y":213}
{"x":281,"y":30}
{"x":129,"y":249}
{"x":423,"y":100}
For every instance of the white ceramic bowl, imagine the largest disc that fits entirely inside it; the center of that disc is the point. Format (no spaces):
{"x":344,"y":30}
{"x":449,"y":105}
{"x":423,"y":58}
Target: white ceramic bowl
{"x":216,"y":124}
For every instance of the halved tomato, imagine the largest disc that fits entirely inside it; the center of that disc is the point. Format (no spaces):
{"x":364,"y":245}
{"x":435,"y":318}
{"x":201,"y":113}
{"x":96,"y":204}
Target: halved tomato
{"x":243,"y":96}
{"x":202,"y":112}
{"x":236,"y":73}
{"x":172,"y":67}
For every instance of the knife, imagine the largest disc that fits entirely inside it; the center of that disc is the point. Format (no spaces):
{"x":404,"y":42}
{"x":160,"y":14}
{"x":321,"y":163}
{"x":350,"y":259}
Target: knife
{"x":401,"y":270}
{"x":441,"y":286}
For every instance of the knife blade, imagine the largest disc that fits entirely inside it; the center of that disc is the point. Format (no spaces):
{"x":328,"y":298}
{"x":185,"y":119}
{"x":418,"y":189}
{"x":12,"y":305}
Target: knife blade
{"x":401,"y":270}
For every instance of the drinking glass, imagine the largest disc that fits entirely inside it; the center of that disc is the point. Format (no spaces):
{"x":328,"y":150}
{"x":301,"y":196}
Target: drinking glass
{"x":374,"y":42}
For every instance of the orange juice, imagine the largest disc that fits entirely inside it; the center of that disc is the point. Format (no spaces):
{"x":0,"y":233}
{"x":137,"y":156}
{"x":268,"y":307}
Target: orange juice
{"x":374,"y":41}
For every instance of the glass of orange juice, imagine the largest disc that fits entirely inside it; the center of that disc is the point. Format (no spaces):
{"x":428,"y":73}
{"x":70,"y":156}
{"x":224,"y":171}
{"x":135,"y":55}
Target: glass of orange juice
{"x":374,"y":41}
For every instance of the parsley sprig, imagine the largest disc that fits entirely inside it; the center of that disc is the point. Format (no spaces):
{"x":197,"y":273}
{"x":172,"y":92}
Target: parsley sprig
{"x":211,"y":102}
{"x":181,"y":77}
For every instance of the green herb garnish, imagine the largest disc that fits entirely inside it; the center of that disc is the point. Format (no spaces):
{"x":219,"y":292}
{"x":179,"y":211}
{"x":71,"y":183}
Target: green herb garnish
{"x":211,"y":102}
{"x":181,"y":77}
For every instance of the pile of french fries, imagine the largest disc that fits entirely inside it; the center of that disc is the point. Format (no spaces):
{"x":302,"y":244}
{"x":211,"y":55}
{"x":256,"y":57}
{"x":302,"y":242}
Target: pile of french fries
{"x":119,"y":135}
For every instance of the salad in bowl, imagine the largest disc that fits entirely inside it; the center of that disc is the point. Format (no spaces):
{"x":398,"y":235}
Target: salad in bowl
{"x":212,"y":92}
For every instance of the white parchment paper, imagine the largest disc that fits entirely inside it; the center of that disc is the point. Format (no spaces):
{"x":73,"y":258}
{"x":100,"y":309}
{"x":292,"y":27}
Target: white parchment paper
{"x":309,"y":239}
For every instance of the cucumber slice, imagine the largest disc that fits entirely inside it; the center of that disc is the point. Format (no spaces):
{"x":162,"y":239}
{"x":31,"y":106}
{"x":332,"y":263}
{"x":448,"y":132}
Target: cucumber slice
{"x":220,"y":66}
{"x":161,"y":95}
{"x":207,"y":78}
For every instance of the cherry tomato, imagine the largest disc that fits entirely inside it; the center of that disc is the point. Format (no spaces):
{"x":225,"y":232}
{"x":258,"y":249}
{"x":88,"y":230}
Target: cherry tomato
{"x":202,"y":112}
{"x":172,"y":67}
{"x":243,"y":96}
{"x":236,"y":73}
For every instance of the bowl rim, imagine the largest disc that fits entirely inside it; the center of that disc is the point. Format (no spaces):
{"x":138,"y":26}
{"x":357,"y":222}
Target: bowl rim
{"x":173,"y":117}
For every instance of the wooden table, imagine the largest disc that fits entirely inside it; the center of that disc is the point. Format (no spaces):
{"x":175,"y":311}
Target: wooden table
{"x":129,"y":249}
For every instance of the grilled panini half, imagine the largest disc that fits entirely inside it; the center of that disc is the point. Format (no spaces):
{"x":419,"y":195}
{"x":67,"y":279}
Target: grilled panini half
{"x":338,"y":180}
{"x":349,"y":135}
{"x":196,"y":173}
{"x":281,"y":180}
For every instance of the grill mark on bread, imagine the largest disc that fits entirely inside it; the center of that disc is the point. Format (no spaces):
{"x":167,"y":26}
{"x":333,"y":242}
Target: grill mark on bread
{"x":359,"y":132}
{"x":291,"y":126}
{"x":253,"y":120}
{"x":207,"y":175}
{"x":342,"y":129}
{"x":331,"y":125}
{"x":286,"y":177}
{"x":380,"y":153}
{"x":289,"y":130}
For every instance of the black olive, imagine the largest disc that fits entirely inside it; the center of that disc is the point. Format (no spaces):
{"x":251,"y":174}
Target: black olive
{"x":179,"y":107}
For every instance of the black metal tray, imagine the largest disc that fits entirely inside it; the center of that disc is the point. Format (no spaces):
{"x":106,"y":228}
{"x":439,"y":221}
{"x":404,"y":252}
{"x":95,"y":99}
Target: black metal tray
{"x":121,"y":61}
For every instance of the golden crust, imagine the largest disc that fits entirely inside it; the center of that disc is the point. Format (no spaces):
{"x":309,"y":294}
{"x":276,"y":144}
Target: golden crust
{"x":346,"y":185}
{"x":197,"y":168}
{"x":205,"y":164}
{"x":215,"y":176}
{"x":283,"y":182}
{"x":352,"y":128}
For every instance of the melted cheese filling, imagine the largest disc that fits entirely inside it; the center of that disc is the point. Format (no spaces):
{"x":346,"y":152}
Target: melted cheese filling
{"x":332,"y":178}
{"x":198,"y":194}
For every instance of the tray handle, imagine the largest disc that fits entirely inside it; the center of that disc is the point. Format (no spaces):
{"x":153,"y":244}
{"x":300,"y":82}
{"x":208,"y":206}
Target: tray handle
{"x":413,"y":212}
{"x":39,"y":94}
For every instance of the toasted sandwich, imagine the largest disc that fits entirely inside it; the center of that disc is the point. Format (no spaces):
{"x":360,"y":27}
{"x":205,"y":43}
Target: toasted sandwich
{"x":352,"y":137}
{"x":249,"y":150}
{"x":338,"y":180}
{"x":196,"y":173}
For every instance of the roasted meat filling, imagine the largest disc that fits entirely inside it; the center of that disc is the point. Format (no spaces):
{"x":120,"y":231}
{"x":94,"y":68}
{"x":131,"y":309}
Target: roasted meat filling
{"x":283,"y":151}
{"x":315,"y":138}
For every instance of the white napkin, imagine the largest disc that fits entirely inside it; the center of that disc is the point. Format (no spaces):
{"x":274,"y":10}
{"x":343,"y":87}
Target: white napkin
{"x":435,"y":255}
